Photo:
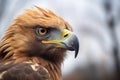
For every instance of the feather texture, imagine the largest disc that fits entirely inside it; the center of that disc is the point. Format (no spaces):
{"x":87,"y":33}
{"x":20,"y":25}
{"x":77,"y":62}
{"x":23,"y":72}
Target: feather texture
{"x":23,"y":56}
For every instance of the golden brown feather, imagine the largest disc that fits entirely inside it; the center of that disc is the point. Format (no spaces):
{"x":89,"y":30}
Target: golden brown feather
{"x":20,"y":43}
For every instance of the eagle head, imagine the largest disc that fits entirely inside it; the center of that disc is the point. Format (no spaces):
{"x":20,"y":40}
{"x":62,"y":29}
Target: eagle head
{"x":39,"y":33}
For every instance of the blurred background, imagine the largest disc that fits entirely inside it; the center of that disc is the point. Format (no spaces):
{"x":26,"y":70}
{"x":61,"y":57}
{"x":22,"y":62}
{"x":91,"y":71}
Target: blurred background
{"x":95,"y":22}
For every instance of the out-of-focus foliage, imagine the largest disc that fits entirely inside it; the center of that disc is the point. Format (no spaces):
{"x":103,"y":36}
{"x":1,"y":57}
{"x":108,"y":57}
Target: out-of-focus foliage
{"x":96,"y":23}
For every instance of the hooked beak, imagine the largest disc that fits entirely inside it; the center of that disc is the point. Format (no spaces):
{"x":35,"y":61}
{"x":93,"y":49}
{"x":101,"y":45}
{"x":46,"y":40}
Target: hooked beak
{"x":69,"y":41}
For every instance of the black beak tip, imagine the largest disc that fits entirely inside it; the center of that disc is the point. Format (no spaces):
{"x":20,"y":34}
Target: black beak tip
{"x":76,"y":53}
{"x":75,"y":46}
{"x":77,"y":49}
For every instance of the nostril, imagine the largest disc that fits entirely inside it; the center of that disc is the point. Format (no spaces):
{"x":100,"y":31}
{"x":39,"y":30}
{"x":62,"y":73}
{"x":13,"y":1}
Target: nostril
{"x":65,"y":35}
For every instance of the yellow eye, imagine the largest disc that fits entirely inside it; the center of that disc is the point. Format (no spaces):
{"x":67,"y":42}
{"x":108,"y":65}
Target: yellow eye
{"x":42,"y":31}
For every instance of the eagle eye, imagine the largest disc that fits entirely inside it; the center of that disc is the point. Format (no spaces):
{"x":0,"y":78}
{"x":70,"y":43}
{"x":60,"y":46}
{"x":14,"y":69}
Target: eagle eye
{"x":42,"y":31}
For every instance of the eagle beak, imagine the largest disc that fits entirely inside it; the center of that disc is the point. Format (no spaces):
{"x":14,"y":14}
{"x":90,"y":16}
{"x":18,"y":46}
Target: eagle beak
{"x":69,"y":41}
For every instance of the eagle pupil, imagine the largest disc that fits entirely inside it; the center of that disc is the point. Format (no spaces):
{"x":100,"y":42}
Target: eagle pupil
{"x":43,"y":30}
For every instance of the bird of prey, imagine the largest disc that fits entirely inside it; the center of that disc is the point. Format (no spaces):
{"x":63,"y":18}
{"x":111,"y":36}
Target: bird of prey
{"x":35,"y":46}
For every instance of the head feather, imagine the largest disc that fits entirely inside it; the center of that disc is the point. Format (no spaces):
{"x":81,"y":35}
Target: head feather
{"x":18,"y":37}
